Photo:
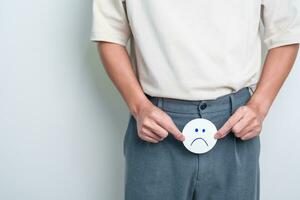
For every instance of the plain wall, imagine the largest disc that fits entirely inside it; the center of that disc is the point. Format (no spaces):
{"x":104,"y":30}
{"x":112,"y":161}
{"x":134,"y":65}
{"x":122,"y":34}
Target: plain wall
{"x":62,"y":121}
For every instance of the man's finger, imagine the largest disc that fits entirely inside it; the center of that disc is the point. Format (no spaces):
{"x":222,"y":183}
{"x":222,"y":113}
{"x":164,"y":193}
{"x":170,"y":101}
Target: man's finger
{"x":151,"y":134}
{"x":225,"y":129}
{"x":158,"y":130}
{"x":248,"y":135}
{"x":239,"y":128}
{"x":148,"y":139}
{"x":168,"y":124}
{"x":245,"y":131}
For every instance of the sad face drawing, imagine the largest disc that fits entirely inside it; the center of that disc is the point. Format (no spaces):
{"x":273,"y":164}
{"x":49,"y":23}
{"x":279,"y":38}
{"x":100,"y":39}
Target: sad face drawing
{"x":199,"y":135}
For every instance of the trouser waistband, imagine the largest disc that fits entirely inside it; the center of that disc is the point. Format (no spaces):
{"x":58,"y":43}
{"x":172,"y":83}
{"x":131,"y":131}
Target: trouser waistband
{"x":229,"y":101}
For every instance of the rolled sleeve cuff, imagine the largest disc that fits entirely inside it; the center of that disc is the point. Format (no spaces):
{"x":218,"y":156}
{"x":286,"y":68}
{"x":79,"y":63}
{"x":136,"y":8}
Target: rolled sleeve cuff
{"x":109,"y":37}
{"x":283,"y":39}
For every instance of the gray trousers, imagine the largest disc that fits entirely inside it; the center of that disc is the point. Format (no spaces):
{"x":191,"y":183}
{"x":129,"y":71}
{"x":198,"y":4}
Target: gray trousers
{"x":168,"y":171}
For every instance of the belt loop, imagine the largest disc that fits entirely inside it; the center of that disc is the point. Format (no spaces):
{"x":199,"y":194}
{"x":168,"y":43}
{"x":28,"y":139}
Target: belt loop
{"x":232,"y":103}
{"x":251,"y":90}
{"x":160,"y":102}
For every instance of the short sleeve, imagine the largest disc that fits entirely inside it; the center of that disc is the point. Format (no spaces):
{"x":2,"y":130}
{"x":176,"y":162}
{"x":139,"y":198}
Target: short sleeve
{"x":281,"y":22}
{"x":110,"y":22}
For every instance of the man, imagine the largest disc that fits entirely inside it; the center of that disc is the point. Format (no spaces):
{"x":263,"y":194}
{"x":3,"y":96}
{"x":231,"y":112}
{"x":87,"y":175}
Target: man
{"x":194,"y":59}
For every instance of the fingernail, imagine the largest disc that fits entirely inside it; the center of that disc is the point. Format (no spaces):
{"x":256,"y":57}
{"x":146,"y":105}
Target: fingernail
{"x":182,"y":138}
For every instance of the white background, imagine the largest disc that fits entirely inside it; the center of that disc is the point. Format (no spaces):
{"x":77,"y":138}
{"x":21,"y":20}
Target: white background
{"x":62,"y":121}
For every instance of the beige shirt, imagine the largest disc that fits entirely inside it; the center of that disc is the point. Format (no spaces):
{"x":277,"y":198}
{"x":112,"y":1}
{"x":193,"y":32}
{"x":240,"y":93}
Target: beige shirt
{"x":196,"y":50}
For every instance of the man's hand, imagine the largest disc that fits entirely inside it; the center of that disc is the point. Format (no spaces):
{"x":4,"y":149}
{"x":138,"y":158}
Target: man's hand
{"x":154,"y":125}
{"x":245,"y":123}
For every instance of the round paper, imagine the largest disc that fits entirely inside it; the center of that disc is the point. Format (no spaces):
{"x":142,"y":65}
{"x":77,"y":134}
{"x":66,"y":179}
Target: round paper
{"x":199,"y":135}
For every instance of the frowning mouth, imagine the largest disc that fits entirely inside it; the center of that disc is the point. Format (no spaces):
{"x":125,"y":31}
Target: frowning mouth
{"x":199,"y":139}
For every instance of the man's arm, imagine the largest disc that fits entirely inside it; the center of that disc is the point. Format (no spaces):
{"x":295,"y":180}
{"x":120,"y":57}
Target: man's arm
{"x":117,"y":64}
{"x":247,"y":121}
{"x":153,"y":124}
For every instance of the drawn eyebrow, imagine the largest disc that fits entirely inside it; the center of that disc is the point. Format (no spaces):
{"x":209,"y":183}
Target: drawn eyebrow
{"x":199,"y":139}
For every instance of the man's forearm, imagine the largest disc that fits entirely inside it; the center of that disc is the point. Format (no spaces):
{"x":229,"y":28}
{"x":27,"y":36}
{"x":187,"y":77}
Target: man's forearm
{"x":278,"y":63}
{"x":117,"y":64}
{"x":246,"y":122}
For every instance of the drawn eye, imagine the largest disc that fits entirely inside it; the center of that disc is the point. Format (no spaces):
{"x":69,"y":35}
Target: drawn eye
{"x":203,"y":130}
{"x":196,"y":130}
